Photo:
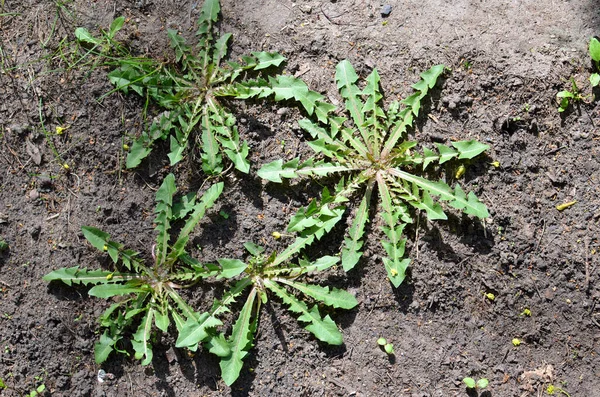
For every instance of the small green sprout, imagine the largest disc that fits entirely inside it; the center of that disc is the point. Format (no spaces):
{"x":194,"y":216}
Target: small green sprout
{"x":460,"y":171}
{"x":568,"y":97}
{"x":472,"y":384}
{"x":224,"y":214}
{"x":526,"y":312}
{"x":389,"y":349}
{"x":3,"y":245}
{"x":516,"y":342}
{"x":564,"y":206}
{"x":490,"y":296}
{"x":126,"y":147}
{"x":595,"y":55}
{"x":495,"y":164}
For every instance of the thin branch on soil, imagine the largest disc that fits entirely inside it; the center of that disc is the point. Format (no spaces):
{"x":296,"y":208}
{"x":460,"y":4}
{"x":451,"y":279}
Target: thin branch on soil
{"x":52,"y":217}
{"x":587,"y":266}
{"x":5,"y":284}
{"x":330,"y":19}
{"x":417,"y":238}
{"x":537,"y":245}
{"x":555,"y":150}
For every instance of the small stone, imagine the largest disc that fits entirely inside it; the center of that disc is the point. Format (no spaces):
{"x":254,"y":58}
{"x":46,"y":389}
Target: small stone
{"x":35,"y":231}
{"x":307,"y":9}
{"x":34,"y":194}
{"x":386,"y":10}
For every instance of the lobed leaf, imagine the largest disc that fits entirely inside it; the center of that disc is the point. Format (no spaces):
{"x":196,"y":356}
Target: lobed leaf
{"x":82,"y":34}
{"x":141,"y":339}
{"x":103,"y":347}
{"x":469,"y":149}
{"x":231,"y":267}
{"x":267,"y":59}
{"x":323,"y":328}
{"x":395,"y":264}
{"x":351,"y":253}
{"x":240,"y":341}
{"x":109,"y":290}
{"x":95,"y":236}
{"x":335,"y":297}
{"x":75,"y":275}
{"x":196,"y":330}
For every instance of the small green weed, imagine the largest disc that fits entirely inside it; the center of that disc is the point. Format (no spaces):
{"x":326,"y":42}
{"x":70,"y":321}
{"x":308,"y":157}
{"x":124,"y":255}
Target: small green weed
{"x":269,"y":273}
{"x":594,"y":48}
{"x":3,"y":245}
{"x":479,"y":384}
{"x":151,"y":291}
{"x":373,"y":151}
{"x":574,"y":95}
{"x":33,"y":393}
{"x":568,"y":97}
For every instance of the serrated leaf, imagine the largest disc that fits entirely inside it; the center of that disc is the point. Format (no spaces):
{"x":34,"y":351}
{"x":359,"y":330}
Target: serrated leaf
{"x":231,"y":267}
{"x":434,"y":211}
{"x":95,"y":236}
{"x":240,"y":342}
{"x":75,"y":275}
{"x":469,"y":204}
{"x":205,"y":202}
{"x":109,"y":290}
{"x":351,"y":253}
{"x":345,"y":75}
{"x":267,"y":59}
{"x":141,"y":339}
{"x":431,"y":75}
{"x":210,"y":11}
{"x":323,"y":329}
{"x":167,"y":190}
{"x":178,"y":44}
{"x":161,"y":320}
{"x":395,"y":265}
{"x":221,"y":48}
{"x":469,"y":149}
{"x":276,"y":170}
{"x":335,"y":297}
{"x":446,"y":153}
{"x":103,"y":348}
{"x":218,"y":346}
{"x":82,"y":34}
{"x":137,"y":153}
{"x":211,"y":160}
{"x":428,"y":157}
{"x":195,"y":330}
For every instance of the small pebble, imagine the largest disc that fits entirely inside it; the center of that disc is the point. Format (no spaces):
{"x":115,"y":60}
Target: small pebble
{"x":34,"y":194}
{"x":386,"y":10}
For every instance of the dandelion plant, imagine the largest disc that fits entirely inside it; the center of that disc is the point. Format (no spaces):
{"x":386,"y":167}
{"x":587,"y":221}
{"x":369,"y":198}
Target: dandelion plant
{"x":189,"y":89}
{"x":278,"y":276}
{"x":371,"y":151}
{"x":147,"y":294}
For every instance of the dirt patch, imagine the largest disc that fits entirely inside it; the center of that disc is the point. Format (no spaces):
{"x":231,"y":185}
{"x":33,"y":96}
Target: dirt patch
{"x":508,"y":62}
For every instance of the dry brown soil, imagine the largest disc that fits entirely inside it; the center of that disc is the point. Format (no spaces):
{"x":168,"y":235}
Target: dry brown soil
{"x":508,"y":60}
